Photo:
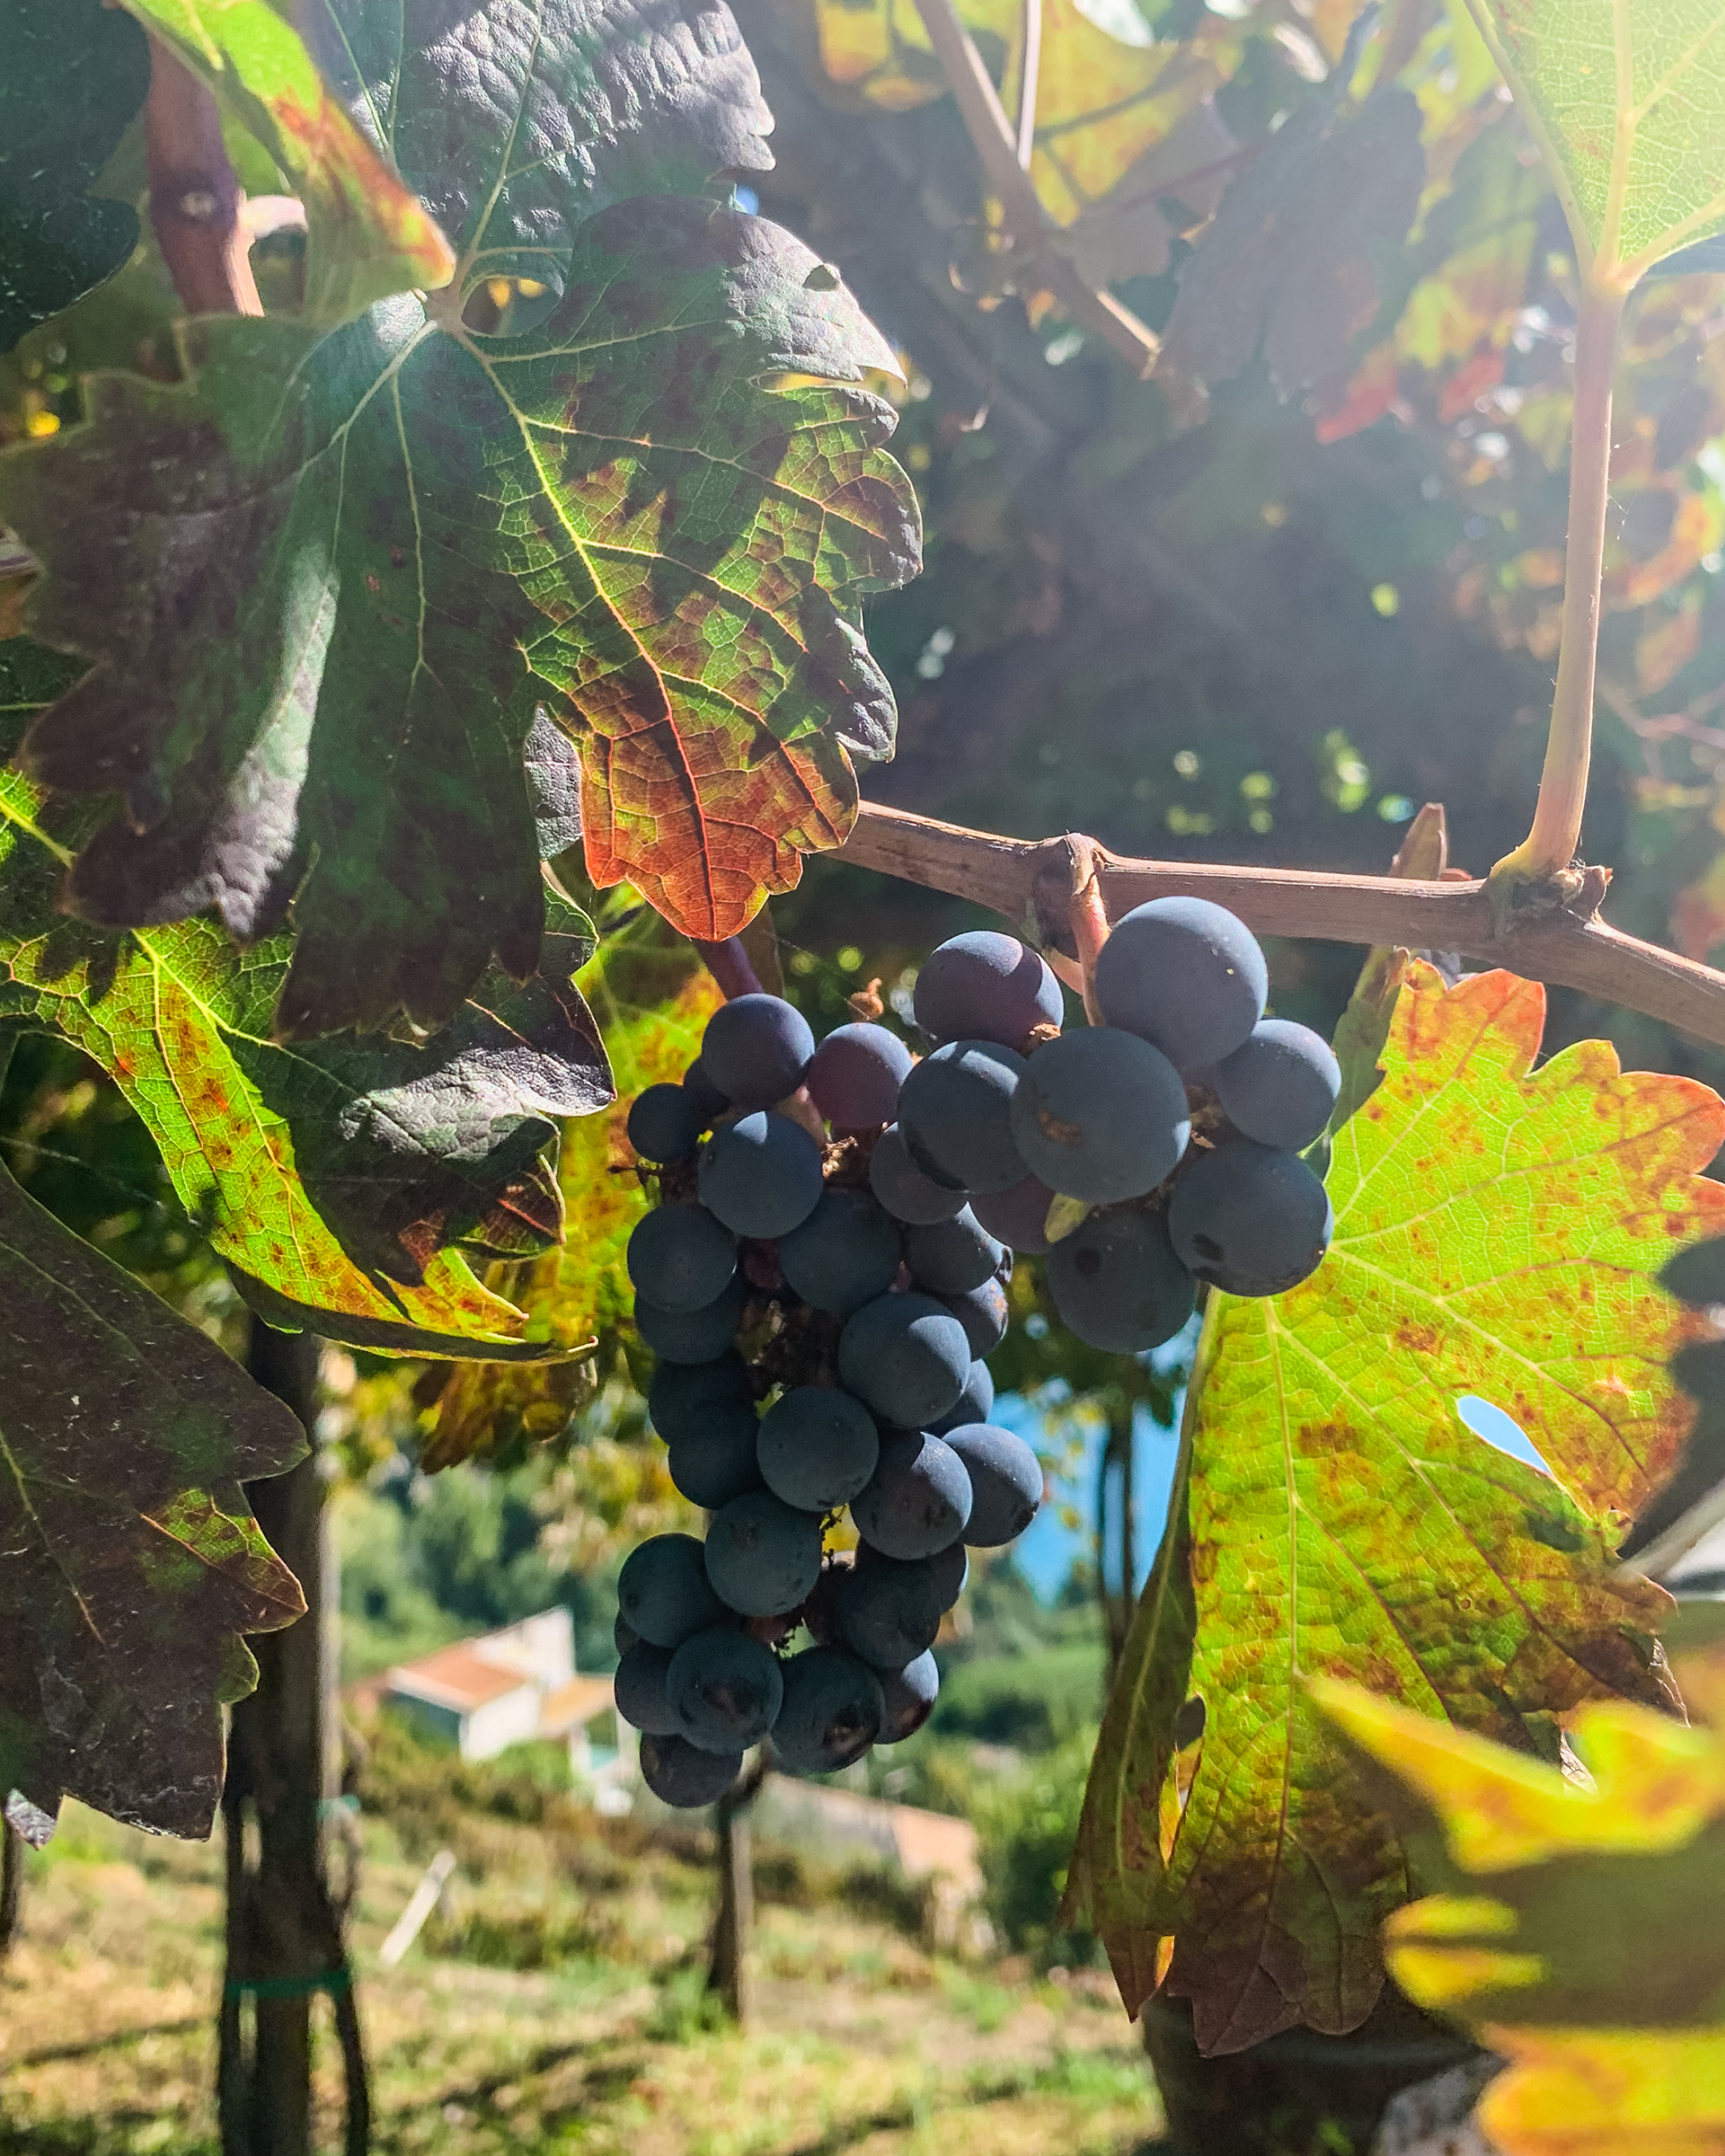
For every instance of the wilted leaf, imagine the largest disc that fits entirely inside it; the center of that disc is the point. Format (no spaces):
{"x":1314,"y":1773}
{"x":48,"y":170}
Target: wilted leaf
{"x":331,"y":1176}
{"x":1584,"y":1933}
{"x":132,"y":1561}
{"x":1290,"y":263}
{"x":75,"y":73}
{"x":1628,"y":100}
{"x":1496,"y":1235}
{"x":652,"y":1000}
{"x":368,"y":235}
{"x":327,"y":578}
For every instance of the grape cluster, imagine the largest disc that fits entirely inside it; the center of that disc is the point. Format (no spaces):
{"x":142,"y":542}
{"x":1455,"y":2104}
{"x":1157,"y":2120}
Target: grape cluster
{"x":820,"y":1308}
{"x":846,"y":1216}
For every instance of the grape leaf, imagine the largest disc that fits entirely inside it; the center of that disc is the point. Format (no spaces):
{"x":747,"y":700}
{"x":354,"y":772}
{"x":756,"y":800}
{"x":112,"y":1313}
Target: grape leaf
{"x":331,"y":1176}
{"x":366,"y":235}
{"x":74,"y":75}
{"x":652,"y":1000}
{"x":327,"y":578}
{"x":1289,"y":262}
{"x":1583,"y":1930}
{"x":132,"y":1561}
{"x":1627,"y":98}
{"x":1496,"y":1235}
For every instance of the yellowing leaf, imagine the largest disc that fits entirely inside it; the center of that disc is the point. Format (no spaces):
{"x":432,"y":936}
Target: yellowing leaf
{"x":1628,"y":100}
{"x":1497,"y":1231}
{"x":1585,"y":1936}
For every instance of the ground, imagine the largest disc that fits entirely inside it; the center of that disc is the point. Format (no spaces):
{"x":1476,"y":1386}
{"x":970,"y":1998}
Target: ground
{"x":861,"y":2040}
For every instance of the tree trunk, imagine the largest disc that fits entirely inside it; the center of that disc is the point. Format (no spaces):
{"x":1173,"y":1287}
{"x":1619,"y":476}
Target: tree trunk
{"x":728,"y":1971}
{"x":284,"y":1934}
{"x":11,"y":1881}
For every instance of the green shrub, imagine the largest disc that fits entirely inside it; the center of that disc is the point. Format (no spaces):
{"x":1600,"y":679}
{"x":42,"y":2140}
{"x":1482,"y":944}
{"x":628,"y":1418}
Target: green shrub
{"x":1026,"y":1824}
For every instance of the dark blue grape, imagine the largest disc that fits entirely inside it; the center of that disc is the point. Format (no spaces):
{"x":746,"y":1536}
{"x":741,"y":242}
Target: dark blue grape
{"x":950,"y":1569}
{"x":1281,"y":1085}
{"x":986,"y":986}
{"x":902,"y":1188}
{"x":854,"y":1078}
{"x":888,"y":1613}
{"x":690,"y":1336}
{"x":664,"y":1124}
{"x":639,"y":1688}
{"x":1005,"y":1483}
{"x":955,"y":1115}
{"x":1184,"y":975}
{"x":983,"y":1312}
{"x":1251,"y":1220}
{"x":918,"y":1498}
{"x":680,"y":1774}
{"x":762,"y":1557}
{"x":952,"y":1256}
{"x":1117,"y":1285}
{"x":817,"y":1448}
{"x":623,"y":1635}
{"x":831,"y":1712}
{"x":844,"y":1254}
{"x":680,"y":1257}
{"x":1017,"y":1217}
{"x":975,"y":1403}
{"x":908,"y":1696}
{"x":709,"y":1101}
{"x":761,"y":1175}
{"x":682,"y":1395}
{"x":755,"y":1050}
{"x":715,"y":1462}
{"x":1101,"y":1115}
{"x":724,"y":1690}
{"x":905,"y":1356}
{"x":663,"y":1591}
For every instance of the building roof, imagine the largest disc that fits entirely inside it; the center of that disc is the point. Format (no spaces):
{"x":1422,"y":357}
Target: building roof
{"x":456,"y":1677}
{"x":570,"y":1704}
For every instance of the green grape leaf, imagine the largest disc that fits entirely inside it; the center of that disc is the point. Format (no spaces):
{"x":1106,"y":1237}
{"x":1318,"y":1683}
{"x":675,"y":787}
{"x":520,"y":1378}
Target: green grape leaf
{"x":326,"y":580}
{"x":1627,"y":99}
{"x":132,"y":1561}
{"x":368,"y":235}
{"x":74,"y":77}
{"x":652,"y":999}
{"x":1582,"y":1930}
{"x":334,"y":1177}
{"x":1498,"y":1234}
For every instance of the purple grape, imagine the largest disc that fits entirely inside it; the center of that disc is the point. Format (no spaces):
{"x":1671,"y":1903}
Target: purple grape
{"x":976,"y":1402}
{"x":724,"y":1689}
{"x":952,"y":1256}
{"x":1251,"y":1220}
{"x":918,"y":1498}
{"x":709,"y":1101}
{"x":715,"y":1461}
{"x":1117,"y":1285}
{"x":983,"y":986}
{"x":756,"y":1049}
{"x":844,"y":1254}
{"x":638,"y":1689}
{"x":1005,"y":1483}
{"x":680,"y":1774}
{"x":1281,"y":1085}
{"x":902,"y":1188}
{"x":1017,"y":1217}
{"x":762,"y":1557}
{"x":955,"y":1115}
{"x":889,"y":1614}
{"x":761,"y":1176}
{"x":983,"y":1315}
{"x":854,"y":1078}
{"x":908,"y":1696}
{"x":816,"y":1447}
{"x":690,"y":1336}
{"x":680,"y":1257}
{"x":665,"y":1123}
{"x":950,"y":1569}
{"x":663,"y":1591}
{"x":831,"y":1713}
{"x":682,"y":1395}
{"x":1186,"y":976}
{"x":905,"y":1356}
{"x":1101,"y":1115}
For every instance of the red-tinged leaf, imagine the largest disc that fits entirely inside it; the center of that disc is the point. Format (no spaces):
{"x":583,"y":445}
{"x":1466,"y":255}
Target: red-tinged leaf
{"x":1498,"y":1233}
{"x":132,"y":1561}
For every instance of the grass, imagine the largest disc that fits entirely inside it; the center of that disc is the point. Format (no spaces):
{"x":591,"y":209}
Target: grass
{"x":558,"y":2004}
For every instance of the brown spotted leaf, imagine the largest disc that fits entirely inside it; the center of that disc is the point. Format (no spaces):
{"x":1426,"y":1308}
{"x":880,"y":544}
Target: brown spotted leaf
{"x":1497,"y":1231}
{"x":129,"y":1561}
